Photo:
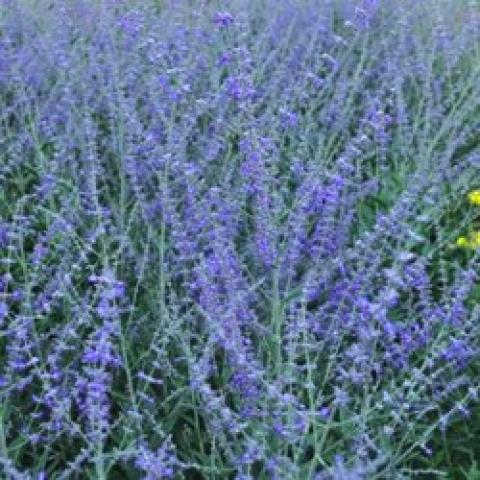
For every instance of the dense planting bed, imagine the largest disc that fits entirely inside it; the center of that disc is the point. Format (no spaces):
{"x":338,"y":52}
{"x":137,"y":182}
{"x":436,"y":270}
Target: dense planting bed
{"x":239,"y":240}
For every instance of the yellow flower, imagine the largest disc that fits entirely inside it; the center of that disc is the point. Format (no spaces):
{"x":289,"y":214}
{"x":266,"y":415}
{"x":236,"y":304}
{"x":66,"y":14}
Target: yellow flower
{"x":463,"y":242}
{"x":473,"y":241}
{"x":474,"y":197}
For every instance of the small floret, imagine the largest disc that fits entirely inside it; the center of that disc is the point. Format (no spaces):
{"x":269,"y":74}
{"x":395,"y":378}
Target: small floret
{"x":474,"y":197}
{"x":223,"y":19}
{"x":462,"y":242}
{"x":472,"y":241}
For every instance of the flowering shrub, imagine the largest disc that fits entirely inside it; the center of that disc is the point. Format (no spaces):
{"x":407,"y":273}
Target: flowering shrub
{"x":228,"y":239}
